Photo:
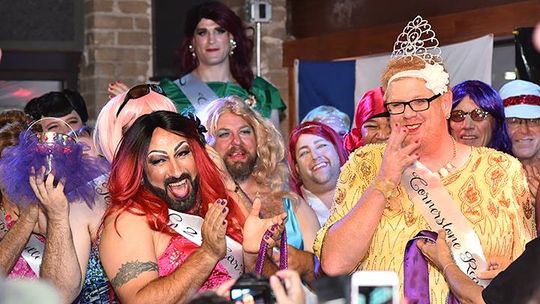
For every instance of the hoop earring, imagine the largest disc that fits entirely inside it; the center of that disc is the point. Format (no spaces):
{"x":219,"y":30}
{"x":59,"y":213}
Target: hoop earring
{"x":192,"y":50}
{"x":232,"y":43}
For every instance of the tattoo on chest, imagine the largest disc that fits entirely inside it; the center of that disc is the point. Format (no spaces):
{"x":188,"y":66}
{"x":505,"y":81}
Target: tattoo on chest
{"x":131,"y":270}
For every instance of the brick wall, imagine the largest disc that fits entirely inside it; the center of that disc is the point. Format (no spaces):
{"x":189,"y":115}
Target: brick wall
{"x":272,"y":36}
{"x":117,"y":47}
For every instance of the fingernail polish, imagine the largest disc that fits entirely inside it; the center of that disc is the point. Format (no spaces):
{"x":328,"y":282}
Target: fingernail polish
{"x":224,"y":210}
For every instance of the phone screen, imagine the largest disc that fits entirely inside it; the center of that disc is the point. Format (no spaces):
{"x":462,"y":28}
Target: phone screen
{"x":247,"y":295}
{"x":375,"y":295}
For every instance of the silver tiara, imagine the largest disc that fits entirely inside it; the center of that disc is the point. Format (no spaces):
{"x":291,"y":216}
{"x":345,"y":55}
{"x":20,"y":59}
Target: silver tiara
{"x":418,"y":39}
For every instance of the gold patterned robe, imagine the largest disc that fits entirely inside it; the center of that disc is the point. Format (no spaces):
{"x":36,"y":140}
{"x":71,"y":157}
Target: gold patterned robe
{"x":491,"y":191}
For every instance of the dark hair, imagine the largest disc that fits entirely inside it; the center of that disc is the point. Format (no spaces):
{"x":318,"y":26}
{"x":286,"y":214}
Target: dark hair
{"x":57,"y":104}
{"x":128,"y":194}
{"x":486,"y":98}
{"x":240,"y":61}
{"x":208,"y":297}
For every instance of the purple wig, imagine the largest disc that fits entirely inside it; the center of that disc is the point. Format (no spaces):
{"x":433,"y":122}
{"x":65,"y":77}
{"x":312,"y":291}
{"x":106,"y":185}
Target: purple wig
{"x":487,"y":99}
{"x":56,"y":152}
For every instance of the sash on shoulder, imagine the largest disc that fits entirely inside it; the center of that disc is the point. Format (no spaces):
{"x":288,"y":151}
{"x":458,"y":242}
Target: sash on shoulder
{"x":426,"y":191}
{"x":189,"y":226}
{"x":32,"y":252}
{"x":197,"y":92}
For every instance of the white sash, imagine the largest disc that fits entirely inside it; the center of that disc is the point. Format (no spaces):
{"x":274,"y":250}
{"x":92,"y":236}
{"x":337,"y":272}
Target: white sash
{"x":197,"y":92}
{"x":427,"y":193}
{"x":32,"y":252}
{"x":189,"y":226}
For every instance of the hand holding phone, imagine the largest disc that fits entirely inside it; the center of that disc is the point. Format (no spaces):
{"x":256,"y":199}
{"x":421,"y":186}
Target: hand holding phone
{"x":375,"y":287}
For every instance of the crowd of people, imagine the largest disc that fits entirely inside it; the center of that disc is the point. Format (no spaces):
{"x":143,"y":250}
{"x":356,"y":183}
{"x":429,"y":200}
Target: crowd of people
{"x":182,"y":187}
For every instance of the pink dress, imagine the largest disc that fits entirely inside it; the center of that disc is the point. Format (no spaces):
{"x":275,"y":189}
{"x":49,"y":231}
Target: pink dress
{"x":178,"y":250}
{"x":21,"y":269}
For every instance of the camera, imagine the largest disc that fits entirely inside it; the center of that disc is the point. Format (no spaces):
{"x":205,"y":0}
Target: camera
{"x":252,"y":288}
{"x":260,"y":11}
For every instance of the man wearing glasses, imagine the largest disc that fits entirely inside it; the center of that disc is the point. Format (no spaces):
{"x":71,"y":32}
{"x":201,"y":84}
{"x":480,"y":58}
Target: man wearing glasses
{"x":388,"y":194}
{"x":522,"y":110}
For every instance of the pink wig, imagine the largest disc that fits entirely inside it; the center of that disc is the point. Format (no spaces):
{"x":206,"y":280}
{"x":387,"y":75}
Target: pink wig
{"x":313,"y":128}
{"x":371,"y":105}
{"x":110,"y":128}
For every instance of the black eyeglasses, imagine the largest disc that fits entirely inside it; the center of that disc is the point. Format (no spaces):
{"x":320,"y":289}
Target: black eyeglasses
{"x":417,"y":105}
{"x":139,"y":91}
{"x":531,"y":122}
{"x":476,"y":115}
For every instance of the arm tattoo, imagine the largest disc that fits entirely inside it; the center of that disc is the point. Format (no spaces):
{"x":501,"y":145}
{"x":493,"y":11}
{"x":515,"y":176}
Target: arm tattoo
{"x":131,"y":270}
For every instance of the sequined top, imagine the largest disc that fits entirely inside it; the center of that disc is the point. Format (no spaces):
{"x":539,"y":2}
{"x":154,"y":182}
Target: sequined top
{"x":491,"y":191}
{"x":176,"y":253}
{"x":266,"y":94}
{"x":96,"y":288}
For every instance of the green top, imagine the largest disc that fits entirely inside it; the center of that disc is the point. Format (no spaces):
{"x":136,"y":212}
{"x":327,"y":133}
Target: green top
{"x":267,"y":95}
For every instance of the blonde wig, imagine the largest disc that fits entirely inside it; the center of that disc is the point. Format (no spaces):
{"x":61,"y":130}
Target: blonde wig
{"x":269,"y":169}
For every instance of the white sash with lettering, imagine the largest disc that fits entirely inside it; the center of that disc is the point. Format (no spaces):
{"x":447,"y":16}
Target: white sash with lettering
{"x":32,"y":252}
{"x":189,"y":226}
{"x":427,"y":193}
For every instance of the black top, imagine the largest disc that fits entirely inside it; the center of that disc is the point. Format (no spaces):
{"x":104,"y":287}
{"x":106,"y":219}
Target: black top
{"x":518,"y":282}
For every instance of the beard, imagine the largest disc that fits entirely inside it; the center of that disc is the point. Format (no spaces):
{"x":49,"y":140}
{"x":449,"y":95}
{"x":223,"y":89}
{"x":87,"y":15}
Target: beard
{"x":240,"y":170}
{"x":181,"y":205}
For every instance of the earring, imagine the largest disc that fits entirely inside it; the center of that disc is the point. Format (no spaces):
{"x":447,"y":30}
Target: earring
{"x":192,"y":50}
{"x":232,"y":43}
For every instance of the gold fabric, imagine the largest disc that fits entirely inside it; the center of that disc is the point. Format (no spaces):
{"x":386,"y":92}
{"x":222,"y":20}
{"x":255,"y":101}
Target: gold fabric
{"x":491,"y":190}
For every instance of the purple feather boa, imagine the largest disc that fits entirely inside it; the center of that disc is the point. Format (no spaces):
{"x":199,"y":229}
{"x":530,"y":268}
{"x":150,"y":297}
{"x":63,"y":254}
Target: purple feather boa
{"x":68,"y":162}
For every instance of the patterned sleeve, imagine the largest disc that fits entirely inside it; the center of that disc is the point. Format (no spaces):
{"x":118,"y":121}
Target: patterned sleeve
{"x":355,"y":177}
{"x":525,"y":227}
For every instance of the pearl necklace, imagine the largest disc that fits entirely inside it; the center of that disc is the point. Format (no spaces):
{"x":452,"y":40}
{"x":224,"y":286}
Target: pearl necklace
{"x":448,"y":167}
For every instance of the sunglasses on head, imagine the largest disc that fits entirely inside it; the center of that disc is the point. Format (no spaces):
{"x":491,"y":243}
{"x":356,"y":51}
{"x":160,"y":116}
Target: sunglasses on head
{"x":476,"y":115}
{"x":139,"y":91}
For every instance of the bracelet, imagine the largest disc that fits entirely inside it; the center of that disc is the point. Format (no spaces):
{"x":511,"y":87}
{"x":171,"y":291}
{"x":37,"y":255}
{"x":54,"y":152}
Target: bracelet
{"x":446,"y":266}
{"x":386,"y":188}
{"x":317,"y":267}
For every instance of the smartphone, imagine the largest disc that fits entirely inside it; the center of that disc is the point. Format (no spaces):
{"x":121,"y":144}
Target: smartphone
{"x":375,"y":287}
{"x":252,"y":289}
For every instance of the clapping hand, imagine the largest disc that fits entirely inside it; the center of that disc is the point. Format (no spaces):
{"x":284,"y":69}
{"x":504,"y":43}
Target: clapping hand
{"x":214,"y":229}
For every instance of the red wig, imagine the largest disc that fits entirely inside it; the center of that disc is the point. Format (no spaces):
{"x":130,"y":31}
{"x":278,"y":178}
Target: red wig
{"x":129,"y":194}
{"x":313,"y":128}
{"x":240,"y":61}
{"x":371,"y":105}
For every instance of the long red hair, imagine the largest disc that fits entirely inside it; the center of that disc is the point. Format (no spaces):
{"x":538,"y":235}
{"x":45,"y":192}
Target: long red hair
{"x":125,"y":182}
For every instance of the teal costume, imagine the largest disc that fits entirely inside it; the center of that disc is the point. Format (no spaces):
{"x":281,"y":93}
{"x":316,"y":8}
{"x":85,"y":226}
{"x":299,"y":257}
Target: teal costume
{"x":294,"y":234}
{"x":266,"y":94}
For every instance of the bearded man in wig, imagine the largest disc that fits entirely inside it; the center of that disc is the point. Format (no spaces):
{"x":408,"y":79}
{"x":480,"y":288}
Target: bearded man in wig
{"x":172,"y":228}
{"x":421,"y":180}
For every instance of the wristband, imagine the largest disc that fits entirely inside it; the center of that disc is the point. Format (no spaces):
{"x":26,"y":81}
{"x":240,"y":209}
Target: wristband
{"x":386,"y":188}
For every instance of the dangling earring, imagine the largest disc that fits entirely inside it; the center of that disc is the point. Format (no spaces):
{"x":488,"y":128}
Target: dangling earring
{"x":192,"y":50}
{"x":232,"y":43}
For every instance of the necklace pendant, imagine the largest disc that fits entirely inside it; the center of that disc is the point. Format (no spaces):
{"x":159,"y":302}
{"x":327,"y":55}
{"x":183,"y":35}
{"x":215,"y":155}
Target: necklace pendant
{"x":443,"y":172}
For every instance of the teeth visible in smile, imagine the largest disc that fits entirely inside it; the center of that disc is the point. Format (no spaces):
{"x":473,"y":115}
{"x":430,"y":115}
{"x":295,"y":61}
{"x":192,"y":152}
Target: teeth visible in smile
{"x":180,"y":183}
{"x":413,"y":127}
{"x":468,"y":137}
{"x":318,"y":166}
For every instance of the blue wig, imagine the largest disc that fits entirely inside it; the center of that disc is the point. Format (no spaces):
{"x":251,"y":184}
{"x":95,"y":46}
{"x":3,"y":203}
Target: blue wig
{"x":487,"y":99}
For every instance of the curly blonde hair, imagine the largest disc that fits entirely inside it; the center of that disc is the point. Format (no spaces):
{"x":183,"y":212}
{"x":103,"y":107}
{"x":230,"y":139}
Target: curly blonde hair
{"x":269,"y":169}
